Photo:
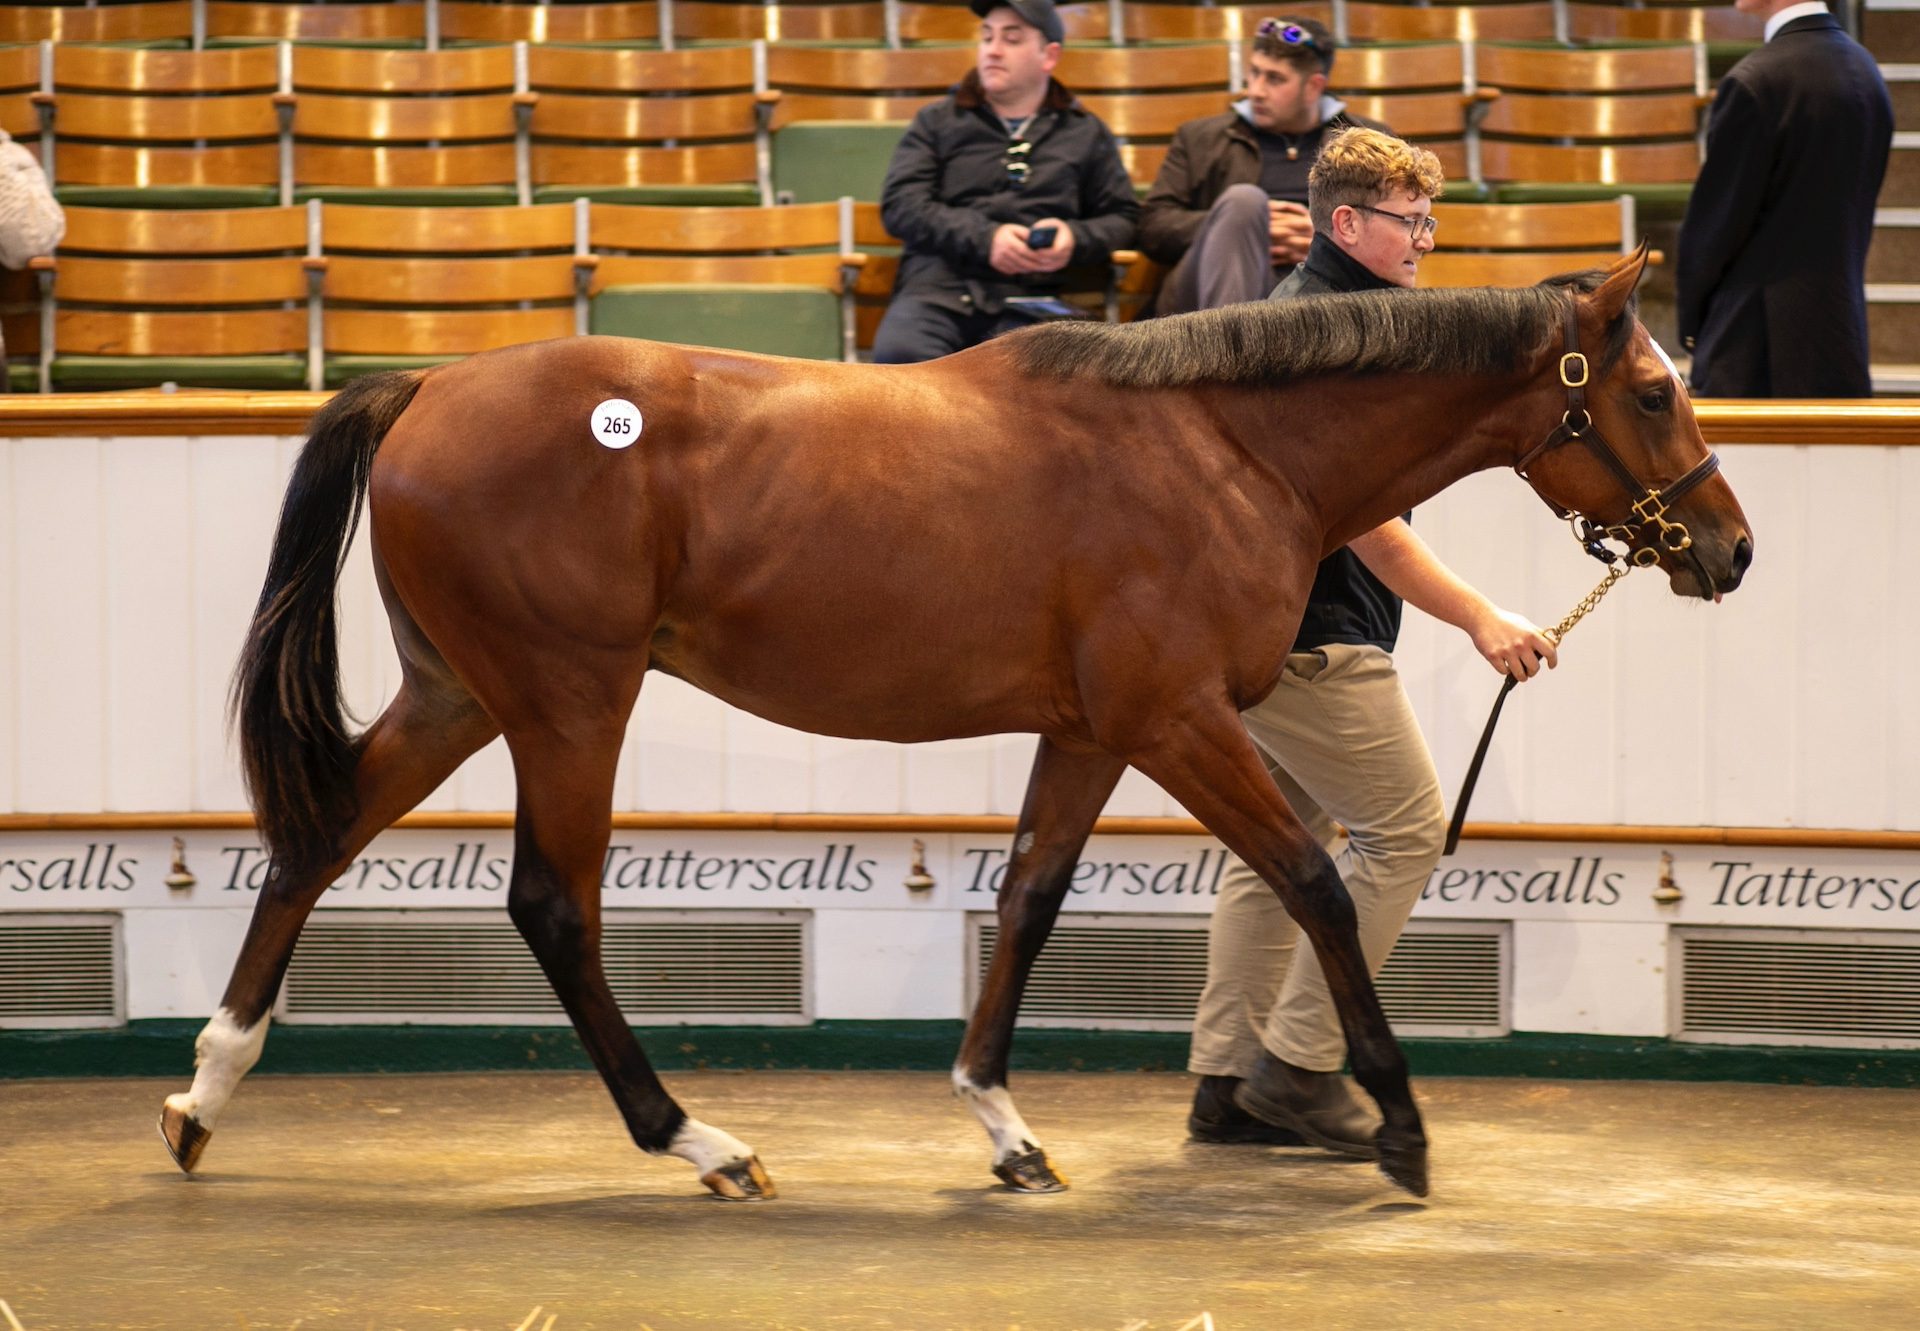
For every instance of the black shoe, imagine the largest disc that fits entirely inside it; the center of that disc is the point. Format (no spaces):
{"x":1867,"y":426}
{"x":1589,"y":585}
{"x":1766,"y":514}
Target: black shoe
{"x":1317,"y":1105}
{"x":1216,"y":1119}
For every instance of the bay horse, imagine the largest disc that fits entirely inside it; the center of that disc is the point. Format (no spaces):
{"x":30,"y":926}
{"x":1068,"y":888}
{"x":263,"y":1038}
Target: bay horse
{"x":1103,"y":535}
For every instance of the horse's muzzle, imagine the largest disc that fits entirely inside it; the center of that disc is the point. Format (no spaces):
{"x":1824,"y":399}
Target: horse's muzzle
{"x":1737,"y":566}
{"x":1710,"y":585}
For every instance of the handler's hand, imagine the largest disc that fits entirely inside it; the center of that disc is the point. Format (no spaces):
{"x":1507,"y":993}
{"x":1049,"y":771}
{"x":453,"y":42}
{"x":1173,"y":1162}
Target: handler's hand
{"x":1059,"y":254}
{"x":1289,"y":231}
{"x":1512,"y":644}
{"x":1010,"y":254}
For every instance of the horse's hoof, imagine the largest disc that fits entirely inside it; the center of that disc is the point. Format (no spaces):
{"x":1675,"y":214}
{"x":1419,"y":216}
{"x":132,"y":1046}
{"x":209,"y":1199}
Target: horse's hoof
{"x":741,"y":1181}
{"x":184,"y":1136}
{"x":1031,"y":1172}
{"x":1405,"y":1163}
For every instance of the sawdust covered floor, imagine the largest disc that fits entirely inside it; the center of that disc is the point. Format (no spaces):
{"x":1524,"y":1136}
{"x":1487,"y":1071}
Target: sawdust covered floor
{"x":430,"y":1203}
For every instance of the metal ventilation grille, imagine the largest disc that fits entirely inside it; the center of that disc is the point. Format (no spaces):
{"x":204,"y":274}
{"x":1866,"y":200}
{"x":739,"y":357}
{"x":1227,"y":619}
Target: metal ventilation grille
{"x":435,"y":967}
{"x":1146,"y":973}
{"x":59,"y":970}
{"x":1122,"y":972}
{"x":1447,"y":978}
{"x":1799,"y":986}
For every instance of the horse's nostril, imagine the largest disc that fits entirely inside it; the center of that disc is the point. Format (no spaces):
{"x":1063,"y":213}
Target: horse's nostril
{"x":1742,"y":556}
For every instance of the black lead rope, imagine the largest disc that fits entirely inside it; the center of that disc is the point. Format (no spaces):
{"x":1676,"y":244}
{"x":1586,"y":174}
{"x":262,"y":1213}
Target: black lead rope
{"x":1473,"y":768}
{"x":1557,"y":634}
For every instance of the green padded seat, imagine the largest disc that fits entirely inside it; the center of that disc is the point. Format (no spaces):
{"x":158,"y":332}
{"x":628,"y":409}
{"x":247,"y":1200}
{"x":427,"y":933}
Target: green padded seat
{"x":741,"y":195}
{"x":452,"y":196}
{"x":815,"y":161}
{"x":1723,"y":56}
{"x":1652,"y":203}
{"x":1466,"y":191}
{"x":105,"y":372}
{"x":769,"y":318}
{"x":168,"y":196}
{"x":341,"y":369}
{"x":23,"y":377}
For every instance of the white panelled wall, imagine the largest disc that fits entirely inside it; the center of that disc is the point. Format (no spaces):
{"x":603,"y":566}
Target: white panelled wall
{"x":129,"y":566}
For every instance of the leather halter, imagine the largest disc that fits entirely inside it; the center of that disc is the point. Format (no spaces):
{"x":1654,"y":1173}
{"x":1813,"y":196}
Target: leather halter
{"x":1647,"y":533}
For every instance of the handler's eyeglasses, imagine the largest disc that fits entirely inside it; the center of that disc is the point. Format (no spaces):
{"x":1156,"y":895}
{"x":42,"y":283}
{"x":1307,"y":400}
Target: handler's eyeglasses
{"x":1018,"y":167}
{"x":1293,"y":35}
{"x":1416,"y":226}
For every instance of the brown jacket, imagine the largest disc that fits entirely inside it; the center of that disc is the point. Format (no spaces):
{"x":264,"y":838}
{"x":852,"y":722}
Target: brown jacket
{"x":1207,"y":156}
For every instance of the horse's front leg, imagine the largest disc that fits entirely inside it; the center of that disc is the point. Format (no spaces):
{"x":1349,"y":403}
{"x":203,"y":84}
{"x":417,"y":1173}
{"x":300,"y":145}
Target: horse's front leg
{"x":1065,"y":794}
{"x":1206,"y":761}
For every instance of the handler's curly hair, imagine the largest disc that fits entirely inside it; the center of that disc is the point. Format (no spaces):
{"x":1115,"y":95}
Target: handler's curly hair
{"x":1359,"y":167}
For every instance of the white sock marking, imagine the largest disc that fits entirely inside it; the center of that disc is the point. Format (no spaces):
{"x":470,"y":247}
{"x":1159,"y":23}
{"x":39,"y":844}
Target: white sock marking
{"x":221,"y":1057}
{"x":707,"y":1148}
{"x":993,"y":1106}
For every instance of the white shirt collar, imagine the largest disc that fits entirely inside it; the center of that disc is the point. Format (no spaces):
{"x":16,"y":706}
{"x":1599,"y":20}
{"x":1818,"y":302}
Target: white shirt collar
{"x":1790,"y":13}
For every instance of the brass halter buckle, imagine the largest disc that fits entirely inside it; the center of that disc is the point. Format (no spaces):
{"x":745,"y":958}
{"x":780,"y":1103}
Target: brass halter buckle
{"x":1571,"y":363}
{"x":1652,"y":512}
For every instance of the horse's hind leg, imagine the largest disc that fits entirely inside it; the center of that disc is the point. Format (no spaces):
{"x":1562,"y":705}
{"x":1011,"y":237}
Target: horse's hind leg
{"x":560,"y":844}
{"x":428,"y":730}
{"x":1065,"y":794}
{"x":1209,"y":764}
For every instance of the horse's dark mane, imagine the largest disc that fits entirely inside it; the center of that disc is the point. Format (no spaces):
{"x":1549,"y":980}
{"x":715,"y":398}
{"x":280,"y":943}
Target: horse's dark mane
{"x":1478,"y":330}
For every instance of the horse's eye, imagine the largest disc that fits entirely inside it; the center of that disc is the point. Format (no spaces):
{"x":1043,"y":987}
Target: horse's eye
{"x":1655,"y":401}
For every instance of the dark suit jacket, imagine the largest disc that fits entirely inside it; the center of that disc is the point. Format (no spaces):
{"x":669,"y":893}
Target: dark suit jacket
{"x":1773,"y":251}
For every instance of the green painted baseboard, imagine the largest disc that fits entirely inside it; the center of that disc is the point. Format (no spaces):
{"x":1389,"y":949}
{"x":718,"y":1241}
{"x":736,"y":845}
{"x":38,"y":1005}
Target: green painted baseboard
{"x":165,"y":1048}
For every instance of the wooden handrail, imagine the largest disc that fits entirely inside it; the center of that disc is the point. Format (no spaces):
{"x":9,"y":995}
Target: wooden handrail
{"x":1799,"y":838}
{"x":1875,"y":421}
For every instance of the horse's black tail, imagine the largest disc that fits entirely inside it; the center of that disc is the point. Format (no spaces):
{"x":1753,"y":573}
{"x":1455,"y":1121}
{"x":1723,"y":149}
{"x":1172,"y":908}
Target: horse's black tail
{"x":295,"y":751}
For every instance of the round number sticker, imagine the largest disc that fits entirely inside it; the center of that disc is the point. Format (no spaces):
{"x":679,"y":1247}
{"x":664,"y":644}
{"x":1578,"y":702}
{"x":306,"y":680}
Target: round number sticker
{"x":616,"y":422}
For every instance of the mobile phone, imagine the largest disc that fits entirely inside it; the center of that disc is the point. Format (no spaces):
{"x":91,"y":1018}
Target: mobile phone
{"x":1040,"y":237}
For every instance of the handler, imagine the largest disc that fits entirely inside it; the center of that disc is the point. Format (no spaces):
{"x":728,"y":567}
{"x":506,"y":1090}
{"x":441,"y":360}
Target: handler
{"x":1338,"y":732}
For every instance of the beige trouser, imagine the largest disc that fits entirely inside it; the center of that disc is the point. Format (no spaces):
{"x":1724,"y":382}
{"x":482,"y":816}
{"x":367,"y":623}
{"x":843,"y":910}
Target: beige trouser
{"x":1341,"y":740}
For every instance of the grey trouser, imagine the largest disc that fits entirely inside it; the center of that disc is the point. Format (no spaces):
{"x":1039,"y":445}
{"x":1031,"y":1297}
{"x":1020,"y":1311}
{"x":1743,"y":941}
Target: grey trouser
{"x":1230,"y":260}
{"x":1341,"y":741}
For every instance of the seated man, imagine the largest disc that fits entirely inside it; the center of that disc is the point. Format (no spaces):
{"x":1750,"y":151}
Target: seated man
{"x":995,"y":189}
{"x":1228,"y":209}
{"x":1338,"y":732}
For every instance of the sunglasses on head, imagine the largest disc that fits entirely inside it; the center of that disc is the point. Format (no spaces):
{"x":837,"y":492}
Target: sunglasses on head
{"x":1292,"y":34}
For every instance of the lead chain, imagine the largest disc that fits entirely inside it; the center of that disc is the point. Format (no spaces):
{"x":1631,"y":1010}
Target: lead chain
{"x":1559,"y":632}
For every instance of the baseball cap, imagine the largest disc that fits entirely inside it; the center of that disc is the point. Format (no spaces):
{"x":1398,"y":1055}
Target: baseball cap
{"x":1034,"y":13}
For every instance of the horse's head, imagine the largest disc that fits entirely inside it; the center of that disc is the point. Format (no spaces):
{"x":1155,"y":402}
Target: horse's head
{"x":1627,"y":464}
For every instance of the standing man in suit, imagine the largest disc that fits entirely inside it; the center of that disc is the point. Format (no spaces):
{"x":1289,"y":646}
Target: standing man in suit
{"x":1773,"y":251}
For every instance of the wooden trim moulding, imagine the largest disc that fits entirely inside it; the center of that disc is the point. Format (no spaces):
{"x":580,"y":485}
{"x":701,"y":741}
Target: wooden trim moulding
{"x":1869,"y":421}
{"x":197,"y":412}
{"x":1808,"y":838}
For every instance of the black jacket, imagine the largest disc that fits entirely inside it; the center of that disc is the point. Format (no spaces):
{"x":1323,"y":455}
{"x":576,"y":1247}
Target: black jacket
{"x":948,"y":190}
{"x":1773,"y":251}
{"x":1347,"y":604}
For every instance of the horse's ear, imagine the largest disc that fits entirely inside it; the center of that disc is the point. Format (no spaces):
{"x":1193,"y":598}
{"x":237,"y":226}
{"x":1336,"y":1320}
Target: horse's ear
{"x":1613,"y":294}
